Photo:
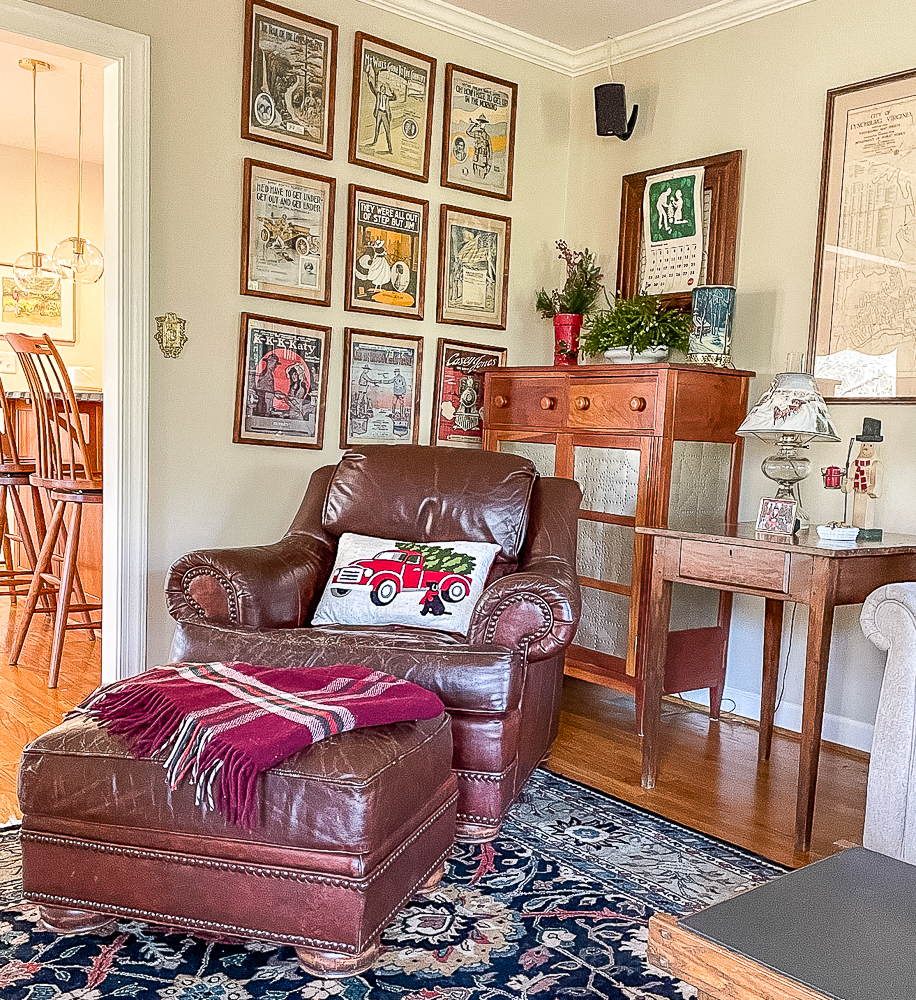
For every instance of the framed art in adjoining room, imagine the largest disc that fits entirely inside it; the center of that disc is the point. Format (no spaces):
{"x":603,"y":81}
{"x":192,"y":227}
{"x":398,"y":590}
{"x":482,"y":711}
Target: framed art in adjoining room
{"x":32,"y":313}
{"x":862,"y":342}
{"x":386,"y":253}
{"x":392,"y":111}
{"x":287,"y":230}
{"x":282,"y":382}
{"x":478,"y":132}
{"x":290,"y":72}
{"x":458,"y":398}
{"x":381,"y":388}
{"x":473,"y":268}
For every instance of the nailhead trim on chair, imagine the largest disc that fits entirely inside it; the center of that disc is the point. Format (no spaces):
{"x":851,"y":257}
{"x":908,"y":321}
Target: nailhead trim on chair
{"x":232,"y":600}
{"x":493,"y":623}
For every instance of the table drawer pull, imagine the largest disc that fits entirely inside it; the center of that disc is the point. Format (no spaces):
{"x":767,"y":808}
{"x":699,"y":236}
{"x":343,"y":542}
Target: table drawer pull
{"x":548,"y":402}
{"x":638,"y":404}
{"x":582,"y":403}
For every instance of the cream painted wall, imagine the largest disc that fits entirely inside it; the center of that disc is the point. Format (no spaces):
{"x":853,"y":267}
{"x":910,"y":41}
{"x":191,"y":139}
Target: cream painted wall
{"x":57,"y":187}
{"x":205,"y":490}
{"x":761,"y":87}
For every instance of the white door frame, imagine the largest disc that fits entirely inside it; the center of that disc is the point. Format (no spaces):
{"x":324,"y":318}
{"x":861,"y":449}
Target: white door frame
{"x":125,"y":56}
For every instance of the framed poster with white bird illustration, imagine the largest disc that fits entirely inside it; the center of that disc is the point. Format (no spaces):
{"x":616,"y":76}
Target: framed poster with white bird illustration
{"x":386,"y":253}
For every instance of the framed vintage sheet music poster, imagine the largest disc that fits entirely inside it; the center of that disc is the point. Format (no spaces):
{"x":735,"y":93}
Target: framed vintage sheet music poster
{"x":862,"y":337}
{"x":458,"y":396}
{"x":693,"y":208}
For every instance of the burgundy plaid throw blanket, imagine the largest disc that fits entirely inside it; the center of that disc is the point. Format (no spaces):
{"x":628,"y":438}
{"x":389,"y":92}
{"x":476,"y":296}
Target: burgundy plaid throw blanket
{"x":222,"y":724}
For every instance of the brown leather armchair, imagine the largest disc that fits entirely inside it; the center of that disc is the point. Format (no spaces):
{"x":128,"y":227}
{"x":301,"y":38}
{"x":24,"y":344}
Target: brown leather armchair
{"x":501,"y":684}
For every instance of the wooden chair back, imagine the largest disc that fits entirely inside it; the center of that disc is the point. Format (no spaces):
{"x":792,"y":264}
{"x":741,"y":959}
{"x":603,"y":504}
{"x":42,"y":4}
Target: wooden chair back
{"x":9,"y":448}
{"x":63,"y":460}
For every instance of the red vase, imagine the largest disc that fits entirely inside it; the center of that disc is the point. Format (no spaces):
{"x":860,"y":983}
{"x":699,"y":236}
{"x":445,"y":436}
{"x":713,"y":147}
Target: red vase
{"x":566,"y":327}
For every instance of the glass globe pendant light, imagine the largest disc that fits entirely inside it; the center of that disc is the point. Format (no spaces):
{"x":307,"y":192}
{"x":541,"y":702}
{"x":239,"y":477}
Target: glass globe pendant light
{"x":79,"y":259}
{"x":35,"y":272}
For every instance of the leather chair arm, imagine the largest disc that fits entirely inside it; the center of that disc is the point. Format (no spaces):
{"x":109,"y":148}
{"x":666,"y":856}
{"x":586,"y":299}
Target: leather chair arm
{"x":539,"y":605}
{"x":260,"y":587}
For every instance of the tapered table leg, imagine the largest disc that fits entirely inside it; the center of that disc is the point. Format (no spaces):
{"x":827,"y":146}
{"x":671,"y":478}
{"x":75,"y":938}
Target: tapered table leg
{"x":657,"y":646}
{"x":772,"y":638}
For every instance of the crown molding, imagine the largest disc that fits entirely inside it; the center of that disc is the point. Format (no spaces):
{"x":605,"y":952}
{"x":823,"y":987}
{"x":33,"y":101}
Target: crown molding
{"x":706,"y":21}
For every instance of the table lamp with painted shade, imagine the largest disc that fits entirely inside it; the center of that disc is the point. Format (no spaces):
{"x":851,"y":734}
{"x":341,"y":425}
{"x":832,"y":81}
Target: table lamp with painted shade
{"x":791,"y":412}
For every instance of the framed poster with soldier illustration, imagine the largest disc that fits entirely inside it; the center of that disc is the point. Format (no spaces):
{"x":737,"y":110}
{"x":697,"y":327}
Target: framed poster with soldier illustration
{"x":478,"y":132}
{"x":290,"y":75}
{"x":391,"y":116}
{"x":458,"y":399}
{"x":381,"y":388}
{"x":386,"y":253}
{"x":282,"y":382}
{"x":287,"y":225}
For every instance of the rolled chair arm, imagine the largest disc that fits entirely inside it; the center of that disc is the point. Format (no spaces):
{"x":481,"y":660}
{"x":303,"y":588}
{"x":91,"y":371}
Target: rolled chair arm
{"x":539,"y":605}
{"x":889,"y":620}
{"x":259,"y":586}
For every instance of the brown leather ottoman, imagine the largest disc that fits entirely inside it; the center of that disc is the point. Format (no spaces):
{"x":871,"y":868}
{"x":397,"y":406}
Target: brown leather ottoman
{"x":349,"y":830}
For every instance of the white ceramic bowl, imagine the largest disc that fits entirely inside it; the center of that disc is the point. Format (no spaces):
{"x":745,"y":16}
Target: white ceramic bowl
{"x":833,"y":534}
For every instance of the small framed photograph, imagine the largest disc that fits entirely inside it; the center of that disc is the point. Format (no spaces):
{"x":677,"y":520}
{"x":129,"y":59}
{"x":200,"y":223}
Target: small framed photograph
{"x":282,"y":382}
{"x":777,"y":517}
{"x":381,"y":388}
{"x":287,"y":230}
{"x":478,"y":132}
{"x":392,"y":112}
{"x":458,"y":399}
{"x":473,"y":268}
{"x":290,"y":75}
{"x":34,"y":314}
{"x":386,"y":253}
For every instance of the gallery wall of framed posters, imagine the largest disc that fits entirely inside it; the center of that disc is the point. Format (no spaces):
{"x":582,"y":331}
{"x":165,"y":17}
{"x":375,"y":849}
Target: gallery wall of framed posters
{"x":290,"y":79}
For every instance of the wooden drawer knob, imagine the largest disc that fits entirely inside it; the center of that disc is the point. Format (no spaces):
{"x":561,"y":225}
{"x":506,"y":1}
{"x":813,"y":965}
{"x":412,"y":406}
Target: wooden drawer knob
{"x":548,"y":402}
{"x":500,"y":402}
{"x":582,"y":403}
{"x":637,"y":404}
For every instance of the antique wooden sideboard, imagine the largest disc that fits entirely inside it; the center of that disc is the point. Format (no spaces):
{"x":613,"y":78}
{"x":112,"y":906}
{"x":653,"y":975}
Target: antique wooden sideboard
{"x":645,"y":442}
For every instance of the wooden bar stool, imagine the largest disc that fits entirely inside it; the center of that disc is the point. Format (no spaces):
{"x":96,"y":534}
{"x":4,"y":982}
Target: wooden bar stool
{"x":14,"y":475}
{"x":64,"y":470}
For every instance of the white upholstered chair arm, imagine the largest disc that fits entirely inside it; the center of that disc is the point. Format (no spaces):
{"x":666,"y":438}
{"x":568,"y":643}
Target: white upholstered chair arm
{"x":889,"y":620}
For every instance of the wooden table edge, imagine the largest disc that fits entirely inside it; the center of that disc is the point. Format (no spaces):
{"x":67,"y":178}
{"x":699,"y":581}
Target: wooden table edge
{"x":713,"y":969}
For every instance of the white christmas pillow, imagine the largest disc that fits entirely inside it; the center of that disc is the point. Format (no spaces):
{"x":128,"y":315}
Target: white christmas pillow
{"x":381,"y":581}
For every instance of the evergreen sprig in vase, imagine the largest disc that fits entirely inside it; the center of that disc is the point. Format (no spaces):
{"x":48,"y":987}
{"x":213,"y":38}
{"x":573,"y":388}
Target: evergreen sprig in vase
{"x":637,"y":326}
{"x":567,"y":306}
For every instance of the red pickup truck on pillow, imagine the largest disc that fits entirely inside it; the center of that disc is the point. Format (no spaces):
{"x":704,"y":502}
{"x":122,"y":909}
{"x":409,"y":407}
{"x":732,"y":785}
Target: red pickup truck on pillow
{"x":387,"y":573}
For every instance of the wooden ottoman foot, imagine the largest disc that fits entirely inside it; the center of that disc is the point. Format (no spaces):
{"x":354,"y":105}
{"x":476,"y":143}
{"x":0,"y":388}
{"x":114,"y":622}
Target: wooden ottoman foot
{"x":476,"y":833}
{"x":65,"y":921}
{"x":337,"y":964}
{"x":433,"y":881}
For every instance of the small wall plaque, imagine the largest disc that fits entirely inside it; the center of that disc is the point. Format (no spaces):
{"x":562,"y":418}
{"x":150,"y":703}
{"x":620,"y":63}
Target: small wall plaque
{"x":170,"y":334}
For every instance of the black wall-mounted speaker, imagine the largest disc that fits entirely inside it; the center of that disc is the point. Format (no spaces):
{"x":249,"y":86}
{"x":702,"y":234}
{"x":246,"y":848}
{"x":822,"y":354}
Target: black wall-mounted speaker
{"x":611,"y":111}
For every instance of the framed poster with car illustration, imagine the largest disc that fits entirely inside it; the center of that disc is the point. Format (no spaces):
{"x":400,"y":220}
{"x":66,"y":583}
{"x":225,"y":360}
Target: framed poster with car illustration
{"x":290,"y":74}
{"x":478,"y":132}
{"x":473,"y":268}
{"x":392,"y":111}
{"x":287,"y":229}
{"x":381,"y":388}
{"x":386,"y":253}
{"x":282,"y":382}
{"x":458,"y":396}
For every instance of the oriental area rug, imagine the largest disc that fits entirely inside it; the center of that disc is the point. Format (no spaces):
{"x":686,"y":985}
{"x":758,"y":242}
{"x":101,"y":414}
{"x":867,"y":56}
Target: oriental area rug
{"x":557,"y":908}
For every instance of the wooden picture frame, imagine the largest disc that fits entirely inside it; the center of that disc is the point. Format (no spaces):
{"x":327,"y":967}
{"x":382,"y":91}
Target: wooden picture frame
{"x":861,"y":343}
{"x":381,"y":388}
{"x":721,"y":189}
{"x":287,"y":233}
{"x":478,"y":132}
{"x":777,"y":516}
{"x":53,"y":313}
{"x":386,"y":253}
{"x":281,"y":393}
{"x":473,"y":283}
{"x":393,"y":91}
{"x":457,"y":419}
{"x":289,"y":79}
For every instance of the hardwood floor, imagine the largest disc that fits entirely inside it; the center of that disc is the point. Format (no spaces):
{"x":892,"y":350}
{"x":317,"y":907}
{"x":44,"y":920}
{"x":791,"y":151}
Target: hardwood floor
{"x":27,"y":707}
{"x":708,"y":777}
{"x":708,"y":774}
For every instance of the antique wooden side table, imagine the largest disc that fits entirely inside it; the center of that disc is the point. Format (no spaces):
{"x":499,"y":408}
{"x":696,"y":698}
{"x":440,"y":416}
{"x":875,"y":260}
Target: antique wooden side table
{"x":841,"y":928}
{"x":779,"y":568}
